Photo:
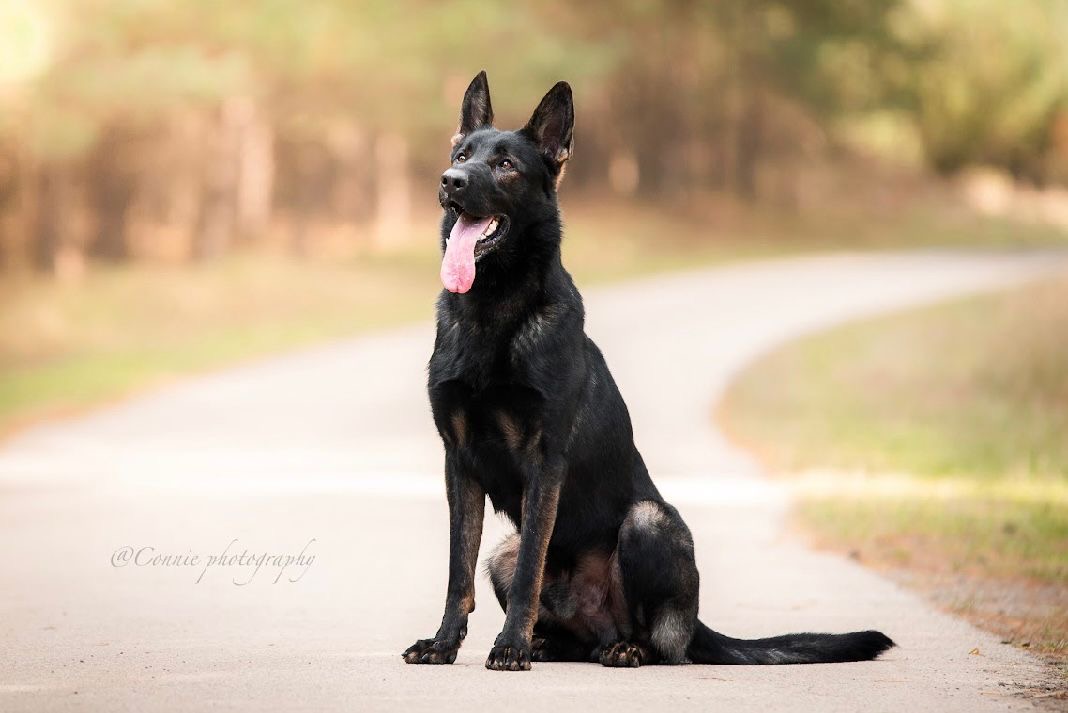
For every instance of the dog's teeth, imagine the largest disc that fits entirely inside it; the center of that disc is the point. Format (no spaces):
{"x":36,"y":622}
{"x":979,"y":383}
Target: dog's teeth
{"x":490,"y":228}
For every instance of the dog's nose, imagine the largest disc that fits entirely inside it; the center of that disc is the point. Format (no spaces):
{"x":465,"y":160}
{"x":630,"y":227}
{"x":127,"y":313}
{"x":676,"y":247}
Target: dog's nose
{"x":453,"y":181}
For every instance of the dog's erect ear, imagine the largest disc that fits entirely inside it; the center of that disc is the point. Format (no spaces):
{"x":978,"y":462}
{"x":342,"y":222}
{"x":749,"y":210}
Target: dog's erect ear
{"x":552,"y":125}
{"x":476,"y":110}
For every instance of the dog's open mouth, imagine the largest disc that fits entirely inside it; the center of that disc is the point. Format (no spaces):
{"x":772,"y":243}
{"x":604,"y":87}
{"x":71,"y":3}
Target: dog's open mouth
{"x":472,"y":238}
{"x":495,"y":228}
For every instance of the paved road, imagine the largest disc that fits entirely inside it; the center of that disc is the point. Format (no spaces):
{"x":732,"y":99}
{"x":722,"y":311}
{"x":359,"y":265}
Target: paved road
{"x":332,"y":451}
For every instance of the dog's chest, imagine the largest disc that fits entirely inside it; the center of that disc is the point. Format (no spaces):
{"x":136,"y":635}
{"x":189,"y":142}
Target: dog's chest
{"x":498,"y":417}
{"x":497,"y":433}
{"x":482,"y":357}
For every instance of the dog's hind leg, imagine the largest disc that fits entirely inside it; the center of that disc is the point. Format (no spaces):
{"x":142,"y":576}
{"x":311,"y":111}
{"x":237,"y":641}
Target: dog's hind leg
{"x":552,"y":639}
{"x":660,"y":585}
{"x":500,"y":566}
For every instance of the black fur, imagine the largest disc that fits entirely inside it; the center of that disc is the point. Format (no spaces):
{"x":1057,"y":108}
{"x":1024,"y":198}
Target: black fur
{"x":602,"y":569}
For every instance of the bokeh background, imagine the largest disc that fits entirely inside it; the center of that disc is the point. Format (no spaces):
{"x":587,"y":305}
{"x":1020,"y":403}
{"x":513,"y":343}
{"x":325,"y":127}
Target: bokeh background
{"x":186,"y":183}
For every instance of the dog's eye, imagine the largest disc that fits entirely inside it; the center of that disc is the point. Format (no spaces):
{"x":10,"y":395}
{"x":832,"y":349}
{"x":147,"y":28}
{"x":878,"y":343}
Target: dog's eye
{"x":506,"y":165}
{"x":460,"y":158}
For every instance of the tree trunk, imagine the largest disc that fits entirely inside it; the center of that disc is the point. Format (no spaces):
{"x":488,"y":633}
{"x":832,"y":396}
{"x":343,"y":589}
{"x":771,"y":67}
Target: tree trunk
{"x":12,"y":197}
{"x":255,"y":171}
{"x":112,"y":184}
{"x":217,"y":221}
{"x":352,"y":183}
{"x":45,"y":242}
{"x":750,"y":138}
{"x":392,"y":184}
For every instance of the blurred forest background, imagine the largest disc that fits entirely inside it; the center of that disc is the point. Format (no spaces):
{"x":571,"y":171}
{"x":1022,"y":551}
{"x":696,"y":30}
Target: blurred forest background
{"x":188,"y":182}
{"x":184,"y":130}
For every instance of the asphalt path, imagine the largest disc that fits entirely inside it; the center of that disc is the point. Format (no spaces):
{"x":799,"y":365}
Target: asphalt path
{"x":123,"y":585}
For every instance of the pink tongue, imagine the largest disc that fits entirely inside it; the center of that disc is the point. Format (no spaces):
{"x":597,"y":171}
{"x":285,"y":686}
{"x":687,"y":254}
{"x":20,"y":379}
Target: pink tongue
{"x":458,"y":265}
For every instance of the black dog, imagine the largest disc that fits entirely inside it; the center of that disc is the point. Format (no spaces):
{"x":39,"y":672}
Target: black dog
{"x":601,"y":569}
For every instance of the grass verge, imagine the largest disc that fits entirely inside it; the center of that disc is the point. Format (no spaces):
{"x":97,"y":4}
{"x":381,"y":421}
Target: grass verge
{"x":933,"y":444}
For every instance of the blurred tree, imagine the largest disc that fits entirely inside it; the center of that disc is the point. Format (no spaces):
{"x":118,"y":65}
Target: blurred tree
{"x":995,"y":84}
{"x":700,"y":82}
{"x":126,"y":124}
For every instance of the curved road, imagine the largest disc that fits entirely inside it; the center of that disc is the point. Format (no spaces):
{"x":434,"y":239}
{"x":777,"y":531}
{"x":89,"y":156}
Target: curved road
{"x":332,"y":452}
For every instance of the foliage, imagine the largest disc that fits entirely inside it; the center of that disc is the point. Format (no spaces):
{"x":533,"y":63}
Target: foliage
{"x":995,"y":86}
{"x":679,"y":97}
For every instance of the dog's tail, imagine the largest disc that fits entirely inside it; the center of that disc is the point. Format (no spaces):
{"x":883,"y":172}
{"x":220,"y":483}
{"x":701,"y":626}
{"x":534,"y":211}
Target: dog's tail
{"x":711,"y":647}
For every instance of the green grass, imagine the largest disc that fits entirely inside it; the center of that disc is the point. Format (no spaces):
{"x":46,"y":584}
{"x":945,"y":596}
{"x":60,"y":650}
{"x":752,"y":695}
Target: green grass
{"x":978,"y":388}
{"x":934,"y":440}
{"x":68,"y":346}
{"x":1003,"y":529}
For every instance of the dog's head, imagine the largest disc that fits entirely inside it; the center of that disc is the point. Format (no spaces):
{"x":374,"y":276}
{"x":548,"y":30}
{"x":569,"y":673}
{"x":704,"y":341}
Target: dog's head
{"x":500,"y":182}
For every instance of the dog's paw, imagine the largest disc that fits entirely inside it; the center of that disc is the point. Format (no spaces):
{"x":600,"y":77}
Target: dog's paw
{"x":431,"y":651}
{"x":622,"y":654}
{"x":508,"y":658}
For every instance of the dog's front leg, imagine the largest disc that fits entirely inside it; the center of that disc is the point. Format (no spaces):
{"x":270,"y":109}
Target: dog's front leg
{"x":467,"y":503}
{"x":511,"y":650}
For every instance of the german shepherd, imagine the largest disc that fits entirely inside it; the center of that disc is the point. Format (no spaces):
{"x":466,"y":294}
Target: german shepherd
{"x":601,"y":569}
